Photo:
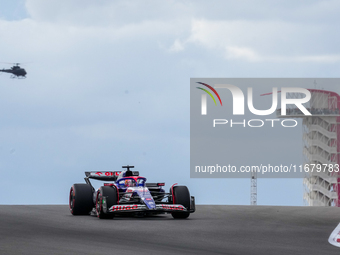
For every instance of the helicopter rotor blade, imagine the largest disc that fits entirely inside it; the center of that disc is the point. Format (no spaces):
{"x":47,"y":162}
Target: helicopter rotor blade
{"x":16,"y":63}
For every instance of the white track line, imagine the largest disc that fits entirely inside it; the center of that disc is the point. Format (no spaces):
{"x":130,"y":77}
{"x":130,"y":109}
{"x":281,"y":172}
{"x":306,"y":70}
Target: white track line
{"x":334,"y":238}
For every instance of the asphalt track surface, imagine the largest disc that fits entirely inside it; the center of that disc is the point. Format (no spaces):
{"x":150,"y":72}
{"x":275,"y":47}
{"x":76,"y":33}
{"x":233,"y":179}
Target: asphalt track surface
{"x":51,"y":229}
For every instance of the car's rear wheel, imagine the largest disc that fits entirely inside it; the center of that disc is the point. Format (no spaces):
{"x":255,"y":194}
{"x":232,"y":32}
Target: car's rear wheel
{"x":110,"y":193}
{"x":181,"y":196}
{"x":80,"y":199}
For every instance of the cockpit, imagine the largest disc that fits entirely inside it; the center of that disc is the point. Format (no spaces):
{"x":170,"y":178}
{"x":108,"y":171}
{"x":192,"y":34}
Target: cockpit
{"x":131,"y":182}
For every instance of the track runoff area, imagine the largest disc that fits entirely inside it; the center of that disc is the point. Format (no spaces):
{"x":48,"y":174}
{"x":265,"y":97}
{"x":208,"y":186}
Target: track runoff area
{"x":212,"y":229}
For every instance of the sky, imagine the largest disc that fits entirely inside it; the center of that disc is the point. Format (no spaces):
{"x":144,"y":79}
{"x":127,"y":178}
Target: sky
{"x":103,"y":76}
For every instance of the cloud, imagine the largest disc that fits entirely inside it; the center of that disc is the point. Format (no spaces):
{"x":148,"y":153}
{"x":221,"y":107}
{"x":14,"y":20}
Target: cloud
{"x":242,"y":53}
{"x":259,"y":41}
{"x":105,"y":12}
{"x":177,"y":46}
{"x":249,"y":55}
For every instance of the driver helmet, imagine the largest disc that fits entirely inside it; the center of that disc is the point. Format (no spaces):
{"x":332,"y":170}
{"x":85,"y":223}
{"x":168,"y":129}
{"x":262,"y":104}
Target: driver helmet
{"x":129,"y":183}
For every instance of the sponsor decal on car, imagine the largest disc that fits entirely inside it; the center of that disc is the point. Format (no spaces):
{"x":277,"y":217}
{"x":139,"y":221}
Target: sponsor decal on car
{"x":103,"y":174}
{"x":123,"y":207}
{"x":173,"y":207}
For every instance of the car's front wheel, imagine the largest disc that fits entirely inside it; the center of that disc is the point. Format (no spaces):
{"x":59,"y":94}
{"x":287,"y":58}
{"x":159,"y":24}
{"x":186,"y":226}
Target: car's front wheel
{"x":181,"y":196}
{"x":110,"y":193}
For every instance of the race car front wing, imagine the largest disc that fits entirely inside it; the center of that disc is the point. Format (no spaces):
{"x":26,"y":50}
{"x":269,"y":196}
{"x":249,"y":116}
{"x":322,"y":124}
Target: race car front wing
{"x":143,"y":208}
{"x":136,"y":208}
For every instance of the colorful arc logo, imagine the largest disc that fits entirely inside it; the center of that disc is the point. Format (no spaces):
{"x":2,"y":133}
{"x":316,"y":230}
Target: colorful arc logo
{"x":213,"y":90}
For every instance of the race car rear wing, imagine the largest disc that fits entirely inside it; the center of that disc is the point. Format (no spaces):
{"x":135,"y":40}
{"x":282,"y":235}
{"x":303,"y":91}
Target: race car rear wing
{"x":105,"y":175}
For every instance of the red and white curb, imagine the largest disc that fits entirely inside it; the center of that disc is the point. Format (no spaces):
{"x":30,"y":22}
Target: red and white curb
{"x":334,"y":238}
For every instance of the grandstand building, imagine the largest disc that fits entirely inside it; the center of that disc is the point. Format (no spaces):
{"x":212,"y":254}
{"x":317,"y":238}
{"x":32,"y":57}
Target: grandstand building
{"x":321,"y":137}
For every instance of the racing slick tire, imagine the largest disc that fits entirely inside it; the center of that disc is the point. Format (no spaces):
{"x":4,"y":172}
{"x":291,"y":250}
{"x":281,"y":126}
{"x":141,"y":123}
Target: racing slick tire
{"x":111,"y":199}
{"x":181,"y":196}
{"x":80,"y":199}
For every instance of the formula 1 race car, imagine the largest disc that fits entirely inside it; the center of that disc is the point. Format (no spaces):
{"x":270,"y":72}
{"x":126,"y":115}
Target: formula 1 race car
{"x":128,"y":193}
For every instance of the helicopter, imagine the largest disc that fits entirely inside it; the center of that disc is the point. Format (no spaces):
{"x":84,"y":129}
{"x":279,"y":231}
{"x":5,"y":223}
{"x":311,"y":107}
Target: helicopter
{"x":16,"y":71}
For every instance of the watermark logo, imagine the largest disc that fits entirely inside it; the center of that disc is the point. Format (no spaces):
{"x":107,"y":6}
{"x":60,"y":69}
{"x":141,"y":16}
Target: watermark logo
{"x":204,"y":97}
{"x":238,"y":99}
{"x":252,"y":130}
